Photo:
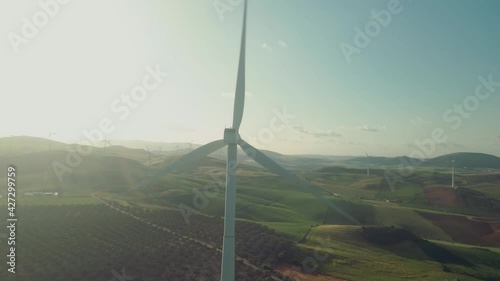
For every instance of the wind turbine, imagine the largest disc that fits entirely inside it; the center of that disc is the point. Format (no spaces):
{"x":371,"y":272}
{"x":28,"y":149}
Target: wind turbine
{"x":106,"y":142}
{"x":232,"y":140}
{"x":50,"y":142}
{"x":10,"y":146}
{"x":149,"y":161}
{"x":47,"y":172}
{"x":453,"y":173}
{"x":367,"y":164}
{"x":159,"y":155}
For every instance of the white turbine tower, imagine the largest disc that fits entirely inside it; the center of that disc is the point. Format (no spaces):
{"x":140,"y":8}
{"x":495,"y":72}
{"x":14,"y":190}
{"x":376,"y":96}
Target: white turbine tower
{"x":232,"y":140}
{"x":367,"y":164}
{"x":10,"y":145}
{"x":149,"y":161}
{"x":50,"y":141}
{"x":453,"y":173}
{"x":47,"y":172}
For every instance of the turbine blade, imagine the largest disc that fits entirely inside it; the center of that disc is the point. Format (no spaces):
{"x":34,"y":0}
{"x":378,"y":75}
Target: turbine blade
{"x":274,"y":167}
{"x":193,"y":156}
{"x":239,"y":97}
{"x":186,"y":160}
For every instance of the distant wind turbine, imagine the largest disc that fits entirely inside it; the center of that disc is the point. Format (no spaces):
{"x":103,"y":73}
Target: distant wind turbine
{"x":232,"y":140}
{"x":47,"y":172}
{"x":367,"y":164}
{"x":453,"y":173}
{"x":10,"y":146}
{"x":106,"y":143}
{"x":50,"y":142}
{"x":149,"y":161}
{"x":159,"y":152}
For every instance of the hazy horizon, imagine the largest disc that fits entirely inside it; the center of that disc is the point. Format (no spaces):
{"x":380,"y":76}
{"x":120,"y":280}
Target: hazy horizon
{"x":412,"y":77}
{"x":143,"y":144}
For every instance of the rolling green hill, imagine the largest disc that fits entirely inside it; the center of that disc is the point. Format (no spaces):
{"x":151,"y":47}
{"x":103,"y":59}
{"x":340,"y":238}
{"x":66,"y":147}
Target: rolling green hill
{"x":37,"y":172}
{"x":357,"y":253}
{"x":421,"y":204}
{"x":466,"y":159}
{"x":462,"y":159}
{"x":16,"y":145}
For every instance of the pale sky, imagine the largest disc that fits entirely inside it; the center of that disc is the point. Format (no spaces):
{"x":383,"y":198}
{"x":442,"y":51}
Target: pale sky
{"x":412,"y":77}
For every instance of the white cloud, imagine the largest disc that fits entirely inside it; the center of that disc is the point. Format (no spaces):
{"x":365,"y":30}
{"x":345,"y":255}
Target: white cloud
{"x":366,"y":128}
{"x":316,"y":134}
{"x":417,"y":121}
{"x":371,"y":129}
{"x":283,"y":43}
{"x":447,"y":144}
{"x":265,"y":46}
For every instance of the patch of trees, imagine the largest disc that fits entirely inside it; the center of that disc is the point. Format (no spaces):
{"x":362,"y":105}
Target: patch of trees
{"x":96,"y":242}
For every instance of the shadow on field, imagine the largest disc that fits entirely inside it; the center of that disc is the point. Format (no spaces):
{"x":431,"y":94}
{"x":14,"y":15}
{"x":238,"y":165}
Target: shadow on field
{"x":399,"y":240}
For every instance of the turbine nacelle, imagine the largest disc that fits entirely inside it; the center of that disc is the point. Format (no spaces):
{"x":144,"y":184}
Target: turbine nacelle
{"x":231,"y":136}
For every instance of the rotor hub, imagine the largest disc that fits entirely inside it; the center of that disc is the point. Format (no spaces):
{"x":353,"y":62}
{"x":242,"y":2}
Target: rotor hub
{"x":231,"y":136}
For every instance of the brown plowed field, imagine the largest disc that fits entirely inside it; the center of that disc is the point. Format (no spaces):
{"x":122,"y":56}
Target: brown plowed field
{"x":475,"y":231}
{"x":443,"y":196}
{"x":300,"y":275}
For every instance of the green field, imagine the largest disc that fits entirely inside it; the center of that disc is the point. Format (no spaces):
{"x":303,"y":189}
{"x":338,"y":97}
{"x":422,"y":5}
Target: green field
{"x":352,"y":257}
{"x":309,"y":227}
{"x":52,"y":200}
